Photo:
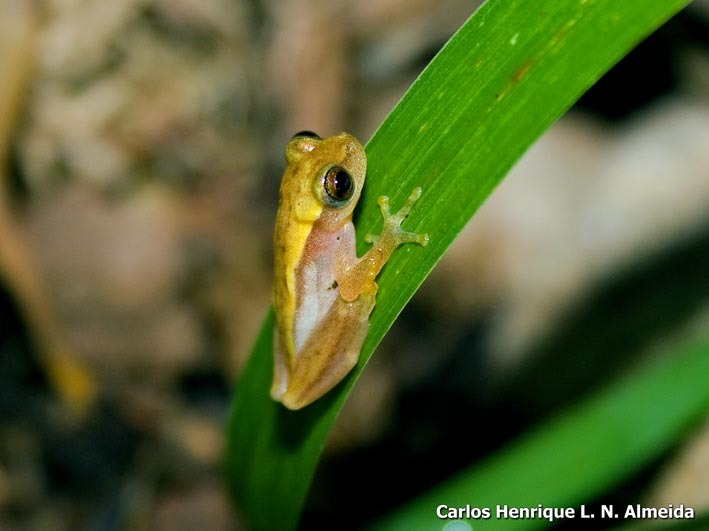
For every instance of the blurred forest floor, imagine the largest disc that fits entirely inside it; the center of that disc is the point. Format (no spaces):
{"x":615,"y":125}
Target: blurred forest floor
{"x":141,"y":148}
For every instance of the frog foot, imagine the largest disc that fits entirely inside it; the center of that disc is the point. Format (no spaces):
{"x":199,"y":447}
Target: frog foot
{"x":392,"y":222}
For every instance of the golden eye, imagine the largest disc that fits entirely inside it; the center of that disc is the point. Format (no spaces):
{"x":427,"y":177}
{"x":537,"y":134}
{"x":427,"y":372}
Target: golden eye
{"x":338,"y":185}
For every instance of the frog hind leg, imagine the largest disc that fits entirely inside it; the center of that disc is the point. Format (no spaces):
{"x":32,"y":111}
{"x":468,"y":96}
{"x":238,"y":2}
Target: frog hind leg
{"x":327,"y":357}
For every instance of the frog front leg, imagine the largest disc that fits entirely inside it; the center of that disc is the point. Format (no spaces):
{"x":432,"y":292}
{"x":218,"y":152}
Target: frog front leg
{"x":358,"y":278}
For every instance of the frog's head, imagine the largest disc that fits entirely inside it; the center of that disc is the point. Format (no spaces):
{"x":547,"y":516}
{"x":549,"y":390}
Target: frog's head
{"x":330,"y":175}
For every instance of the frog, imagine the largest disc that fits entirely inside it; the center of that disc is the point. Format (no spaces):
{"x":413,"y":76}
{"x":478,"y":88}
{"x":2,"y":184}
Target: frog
{"x":323,"y":293}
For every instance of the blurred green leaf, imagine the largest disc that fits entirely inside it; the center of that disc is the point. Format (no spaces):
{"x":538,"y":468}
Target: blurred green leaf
{"x":581,"y":453}
{"x":700,"y":523}
{"x":512,"y":69}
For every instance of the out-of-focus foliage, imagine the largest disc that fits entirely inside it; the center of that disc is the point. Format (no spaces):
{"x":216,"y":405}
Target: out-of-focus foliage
{"x":575,"y":457}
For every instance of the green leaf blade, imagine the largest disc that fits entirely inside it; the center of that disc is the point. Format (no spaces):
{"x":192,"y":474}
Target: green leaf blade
{"x":510,"y":71}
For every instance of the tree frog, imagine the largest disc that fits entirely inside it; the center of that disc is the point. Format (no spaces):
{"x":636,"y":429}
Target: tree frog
{"x":323,"y":293}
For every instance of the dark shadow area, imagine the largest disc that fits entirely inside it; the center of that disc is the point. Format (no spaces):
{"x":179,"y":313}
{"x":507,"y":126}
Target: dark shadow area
{"x":605,"y":336}
{"x":649,"y":72}
{"x":89,"y":460}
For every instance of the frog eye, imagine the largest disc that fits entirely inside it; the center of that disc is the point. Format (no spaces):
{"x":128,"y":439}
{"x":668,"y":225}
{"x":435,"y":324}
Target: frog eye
{"x":306,"y":134}
{"x":338,"y":185}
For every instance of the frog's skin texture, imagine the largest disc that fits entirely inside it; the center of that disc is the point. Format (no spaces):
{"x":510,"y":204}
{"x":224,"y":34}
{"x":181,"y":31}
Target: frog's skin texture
{"x":323,"y":293}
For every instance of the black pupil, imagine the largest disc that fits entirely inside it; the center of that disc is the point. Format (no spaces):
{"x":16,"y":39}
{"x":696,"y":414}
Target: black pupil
{"x":338,"y":184}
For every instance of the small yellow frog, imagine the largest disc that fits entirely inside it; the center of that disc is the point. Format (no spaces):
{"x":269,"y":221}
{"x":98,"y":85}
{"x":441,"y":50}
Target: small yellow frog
{"x":323,"y":293}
